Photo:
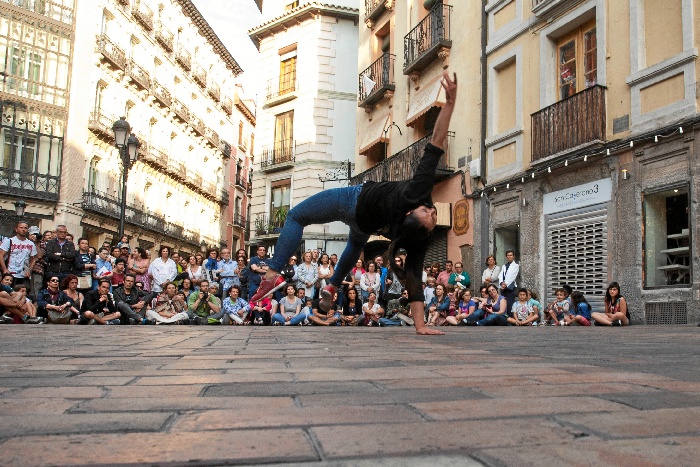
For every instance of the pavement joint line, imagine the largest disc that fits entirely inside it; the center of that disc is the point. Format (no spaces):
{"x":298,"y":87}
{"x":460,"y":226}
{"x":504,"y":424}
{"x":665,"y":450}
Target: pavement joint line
{"x":315,"y":443}
{"x":297,"y":402}
{"x":417,"y":411}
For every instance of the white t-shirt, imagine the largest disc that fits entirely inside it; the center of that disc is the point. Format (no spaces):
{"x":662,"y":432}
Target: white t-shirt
{"x":22,"y":250}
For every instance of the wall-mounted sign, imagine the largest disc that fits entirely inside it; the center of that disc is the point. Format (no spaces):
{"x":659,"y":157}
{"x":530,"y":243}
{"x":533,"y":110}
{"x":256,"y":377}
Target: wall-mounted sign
{"x":461,"y":217}
{"x":579,"y":196}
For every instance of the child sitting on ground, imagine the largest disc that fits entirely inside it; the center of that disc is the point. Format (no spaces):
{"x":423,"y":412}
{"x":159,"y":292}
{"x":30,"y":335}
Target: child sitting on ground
{"x":522,"y":312}
{"x":536,"y":305}
{"x":580,"y":312}
{"x":558,"y":309}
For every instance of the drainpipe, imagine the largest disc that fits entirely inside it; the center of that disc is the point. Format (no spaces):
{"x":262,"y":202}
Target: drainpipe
{"x":483,"y":203}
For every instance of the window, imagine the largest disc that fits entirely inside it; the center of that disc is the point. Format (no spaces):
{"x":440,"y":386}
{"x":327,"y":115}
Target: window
{"x":577,"y":60}
{"x":288,"y":75}
{"x":93,"y":174}
{"x":240,"y":133}
{"x":291,"y":6}
{"x":667,"y":238}
{"x":280,"y":200}
{"x":24,"y":68}
{"x":284,"y":135}
{"x":506,"y":238}
{"x":19,"y":152}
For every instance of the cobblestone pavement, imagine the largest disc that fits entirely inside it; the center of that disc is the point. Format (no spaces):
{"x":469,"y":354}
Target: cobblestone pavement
{"x":207,"y":395}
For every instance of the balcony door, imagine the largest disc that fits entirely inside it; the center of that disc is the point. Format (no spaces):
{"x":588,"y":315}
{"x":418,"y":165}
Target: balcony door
{"x":18,"y":158}
{"x":280,"y":192}
{"x":577,"y":64}
{"x":288,"y":75}
{"x":284,"y":136}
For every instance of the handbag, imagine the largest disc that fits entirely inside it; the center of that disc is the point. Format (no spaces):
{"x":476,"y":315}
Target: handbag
{"x":84,"y":282}
{"x":59,"y":317}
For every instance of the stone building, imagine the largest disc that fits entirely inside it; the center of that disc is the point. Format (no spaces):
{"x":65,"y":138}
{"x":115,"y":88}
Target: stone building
{"x":306,"y":125}
{"x":161,"y":67}
{"x":591,"y":164}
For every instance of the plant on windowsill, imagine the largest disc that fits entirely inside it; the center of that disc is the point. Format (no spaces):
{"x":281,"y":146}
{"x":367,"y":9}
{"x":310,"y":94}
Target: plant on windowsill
{"x":280,"y":217}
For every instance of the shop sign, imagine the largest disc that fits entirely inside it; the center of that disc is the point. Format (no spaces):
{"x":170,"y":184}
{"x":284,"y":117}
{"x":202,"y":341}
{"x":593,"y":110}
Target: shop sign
{"x":579,"y":196}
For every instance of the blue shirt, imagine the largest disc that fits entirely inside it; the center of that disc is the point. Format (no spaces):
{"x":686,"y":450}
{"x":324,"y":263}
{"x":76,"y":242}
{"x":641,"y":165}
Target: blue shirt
{"x":582,"y":309}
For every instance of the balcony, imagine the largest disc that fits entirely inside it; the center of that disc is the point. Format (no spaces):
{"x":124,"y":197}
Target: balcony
{"x":381,"y":72}
{"x":164,"y":37}
{"x":222,"y":196}
{"x":183,"y":57}
{"x":174,"y":230}
{"x":143,"y":14}
{"x":268,"y":225}
{"x":238,"y":220}
{"x":111,"y":52}
{"x":196,"y":180}
{"x":156,"y":157}
{"x":56,"y":10}
{"x":197,"y":125}
{"x":181,"y":170}
{"x":208,"y":189}
{"x":241,"y":182}
{"x":225,"y":148}
{"x":280,"y":90}
{"x":576,"y":121}
{"x":139,"y":76}
{"x":161,"y":94}
{"x":250,"y":185}
{"x":214,"y":91}
{"x":543,"y":7}
{"x":191,"y":236}
{"x":227,"y":106}
{"x":423,"y":44}
{"x":29,"y":184}
{"x":402,"y":165}
{"x":200,"y":76}
{"x":101,"y":123}
{"x":374,"y":10}
{"x":278,"y":157}
{"x":212,"y":137}
{"x":180,"y":111}
{"x":143,"y":144}
{"x":173,"y":168}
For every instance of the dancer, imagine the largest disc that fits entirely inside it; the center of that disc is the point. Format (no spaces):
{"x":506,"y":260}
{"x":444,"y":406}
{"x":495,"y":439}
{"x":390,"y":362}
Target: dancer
{"x":402,"y":211}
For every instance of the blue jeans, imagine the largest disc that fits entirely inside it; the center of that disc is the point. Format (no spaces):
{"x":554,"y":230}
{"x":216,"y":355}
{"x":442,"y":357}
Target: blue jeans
{"x":493,"y":320}
{"x":476,"y":316}
{"x":298,"y":318}
{"x":337,"y":204}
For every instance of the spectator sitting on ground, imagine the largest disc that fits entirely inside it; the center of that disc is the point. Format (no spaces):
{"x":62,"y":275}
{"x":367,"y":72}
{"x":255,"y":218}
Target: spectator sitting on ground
{"x":53,"y":299}
{"x":234,"y":309}
{"x":616,"y":312}
{"x":168,"y":307}
{"x":372,"y":310}
{"x":186,"y":288}
{"x":131,"y":302}
{"x":320,"y":318}
{"x":437,"y":306}
{"x":12,"y":307}
{"x":289,"y":308}
{"x":429,"y":290}
{"x":398,"y":311}
{"x":260,"y":311}
{"x":493,"y":312}
{"x":352,"y":308}
{"x":202,"y":303}
{"x":556,"y":311}
{"x":537,"y":306}
{"x":114,"y":254}
{"x":70,"y":288}
{"x":21,"y":292}
{"x":580,"y":312}
{"x":465,"y":307}
{"x":99,"y":305}
{"x":522,"y":313}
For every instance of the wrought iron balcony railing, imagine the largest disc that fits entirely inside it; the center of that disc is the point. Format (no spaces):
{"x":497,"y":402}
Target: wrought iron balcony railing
{"x":140,"y":77}
{"x":56,"y":10}
{"x":197,"y":125}
{"x":569,"y":123}
{"x":180,"y":110}
{"x":286,"y":84}
{"x":267,"y":225}
{"x":375,"y":8}
{"x":212,"y":137}
{"x":402,"y":165}
{"x":101,"y":123}
{"x":200,"y":75}
{"x":29,"y":184}
{"x":238,"y":220}
{"x":111,"y":52}
{"x":376,"y":79}
{"x":280,"y":155}
{"x":161,"y":94}
{"x":164,"y":37}
{"x":157,"y":157}
{"x":214,"y":90}
{"x":225,"y":148}
{"x":222,"y":196}
{"x":143,"y":14}
{"x":241,"y":182}
{"x":183,"y":57}
{"x":423,"y":43}
{"x":542,"y":7}
{"x":227,"y":105}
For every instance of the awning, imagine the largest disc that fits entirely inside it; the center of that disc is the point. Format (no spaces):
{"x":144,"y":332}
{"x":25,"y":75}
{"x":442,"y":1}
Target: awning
{"x":373,"y":133}
{"x":428,"y":96}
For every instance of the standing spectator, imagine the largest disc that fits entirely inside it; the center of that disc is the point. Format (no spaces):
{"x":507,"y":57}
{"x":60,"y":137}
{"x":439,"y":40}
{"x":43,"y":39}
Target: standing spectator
{"x":162,"y":270}
{"x":460,"y":278}
{"x":84,"y":266}
{"x":382,"y":271}
{"x":357,"y":273}
{"x":103,"y":268}
{"x":37,"y":275}
{"x":194,"y":271}
{"x":289,"y":272}
{"x":393,"y":284}
{"x":138,"y":266}
{"x":257,"y":267}
{"x":228,"y":270}
{"x":325,"y":270}
{"x":18,"y":254}
{"x":507,"y":277}
{"x":243,"y":273}
{"x":175,"y":257}
{"x":444,"y":276}
{"x":491,"y":272}
{"x":334,"y":260}
{"x":131,"y":302}
{"x":118,"y":273}
{"x":369,"y":282}
{"x":210,"y":265}
{"x":60,"y":254}
{"x":307,"y":273}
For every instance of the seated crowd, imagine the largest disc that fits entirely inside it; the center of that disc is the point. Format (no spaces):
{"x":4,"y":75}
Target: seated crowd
{"x":46,"y":279}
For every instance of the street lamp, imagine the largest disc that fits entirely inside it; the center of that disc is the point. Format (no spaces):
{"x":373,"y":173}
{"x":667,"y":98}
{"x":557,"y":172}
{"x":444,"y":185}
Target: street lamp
{"x":20,"y":206}
{"x":128,"y":146}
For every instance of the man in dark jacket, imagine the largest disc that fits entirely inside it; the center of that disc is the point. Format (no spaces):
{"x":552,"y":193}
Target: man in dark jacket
{"x":132,"y":302}
{"x":98,"y":305}
{"x":60,"y":254}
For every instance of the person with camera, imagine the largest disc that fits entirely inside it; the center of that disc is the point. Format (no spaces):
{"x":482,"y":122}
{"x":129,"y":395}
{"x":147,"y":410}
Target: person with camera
{"x":201,"y":303}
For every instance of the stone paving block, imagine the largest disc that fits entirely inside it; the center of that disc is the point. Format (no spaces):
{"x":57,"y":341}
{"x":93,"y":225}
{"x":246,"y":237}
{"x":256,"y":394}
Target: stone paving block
{"x":367,"y":374}
{"x":70,"y":392}
{"x":290,"y":389}
{"x":656,"y":400}
{"x":55,"y":424}
{"x":177,"y":390}
{"x":137,"y":372}
{"x":515,"y":407}
{"x":290,"y":416}
{"x":434,"y":437}
{"x":252,"y":377}
{"x":638,"y":424}
{"x":194,"y":448}
{"x":600,"y":377}
{"x":585,"y":452}
{"x":537,"y":389}
{"x":47,"y":381}
{"x":42,"y":405}
{"x":394,"y":396}
{"x":161,"y":404}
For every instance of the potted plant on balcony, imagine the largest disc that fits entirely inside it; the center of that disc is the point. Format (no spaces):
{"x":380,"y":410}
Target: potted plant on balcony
{"x":279,"y":218}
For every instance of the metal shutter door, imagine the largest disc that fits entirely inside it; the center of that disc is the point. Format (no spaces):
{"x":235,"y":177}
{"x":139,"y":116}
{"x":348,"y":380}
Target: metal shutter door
{"x":577,"y":253}
{"x":437,"y":250}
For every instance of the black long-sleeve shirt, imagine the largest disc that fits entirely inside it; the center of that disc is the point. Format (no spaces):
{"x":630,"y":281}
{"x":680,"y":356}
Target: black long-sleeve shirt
{"x":64,"y":263}
{"x":91,"y":302}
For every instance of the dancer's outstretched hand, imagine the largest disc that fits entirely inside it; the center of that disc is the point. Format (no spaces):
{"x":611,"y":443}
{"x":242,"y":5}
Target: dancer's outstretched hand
{"x":450,"y":85}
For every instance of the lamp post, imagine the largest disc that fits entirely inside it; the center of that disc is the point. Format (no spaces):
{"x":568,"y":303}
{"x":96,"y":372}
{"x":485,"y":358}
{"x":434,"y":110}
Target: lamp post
{"x":128,"y":146}
{"x":20,"y":206}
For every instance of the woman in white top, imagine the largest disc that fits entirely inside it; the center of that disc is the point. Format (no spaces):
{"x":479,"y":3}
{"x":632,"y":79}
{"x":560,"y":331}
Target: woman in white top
{"x":369,"y":282}
{"x":307,"y":274}
{"x":372,"y":310}
{"x":491,"y":272}
{"x":325,"y":270}
{"x":162,"y":270}
{"x":195,"y":271}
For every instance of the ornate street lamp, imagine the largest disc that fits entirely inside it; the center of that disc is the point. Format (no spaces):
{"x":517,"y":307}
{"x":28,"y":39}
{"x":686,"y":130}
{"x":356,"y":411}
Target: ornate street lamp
{"x":20,"y":206}
{"x":128,"y":146}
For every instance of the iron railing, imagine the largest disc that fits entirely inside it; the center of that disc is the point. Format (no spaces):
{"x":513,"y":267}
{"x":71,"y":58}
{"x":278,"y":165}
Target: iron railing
{"x":227,"y":105}
{"x":225,"y":148}
{"x":197,"y":124}
{"x":156,"y":156}
{"x":59,"y":11}
{"x":214,"y":90}
{"x":423,"y":43}
{"x":222,"y":195}
{"x":101,"y":123}
{"x":400,"y":166}
{"x":111,"y":52}
{"x":143,"y":14}
{"x":281,"y":152}
{"x":164,"y":37}
{"x":212,"y":136}
{"x":241,"y":182}
{"x":569,"y":123}
{"x":238,"y":220}
{"x":267,"y":225}
{"x":381,"y":72}
{"x":139,"y":75}
{"x":29,"y":184}
{"x":285,"y":84}
{"x":183,"y":57}
{"x":161,"y":94}
{"x":200,"y":75}
{"x":180,"y":110}
{"x":374,"y":9}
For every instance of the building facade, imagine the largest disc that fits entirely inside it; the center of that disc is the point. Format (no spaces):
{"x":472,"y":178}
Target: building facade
{"x":306,"y":125}
{"x":590,"y":149}
{"x":404,"y":49}
{"x":161,"y":67}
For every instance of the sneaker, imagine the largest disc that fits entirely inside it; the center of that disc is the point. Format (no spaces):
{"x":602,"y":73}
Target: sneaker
{"x":617,"y":322}
{"x":213,"y":321}
{"x":306,"y":322}
{"x":5,"y":319}
{"x":132,"y":321}
{"x":267,"y":287}
{"x":34,"y":320}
